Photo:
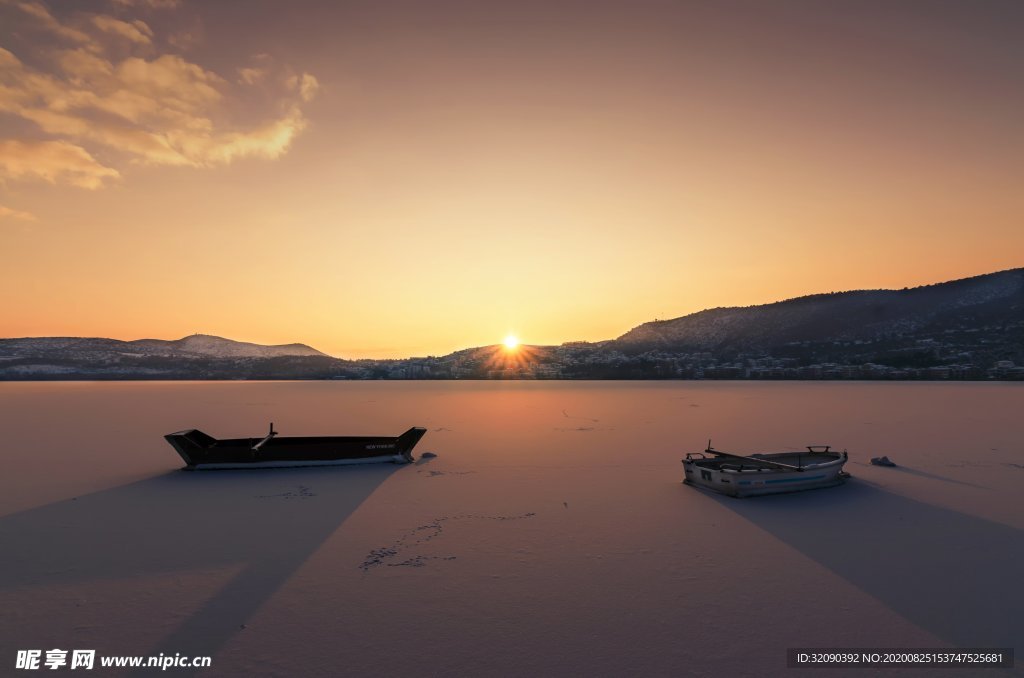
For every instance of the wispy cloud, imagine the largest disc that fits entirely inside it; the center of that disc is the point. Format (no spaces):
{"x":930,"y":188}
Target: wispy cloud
{"x":308,"y":86}
{"x":41,"y":14}
{"x":139,"y":108}
{"x":185,"y":40}
{"x":8,"y":213}
{"x":52,"y":161}
{"x":137,"y":31}
{"x":251,"y":76}
{"x":155,"y":4}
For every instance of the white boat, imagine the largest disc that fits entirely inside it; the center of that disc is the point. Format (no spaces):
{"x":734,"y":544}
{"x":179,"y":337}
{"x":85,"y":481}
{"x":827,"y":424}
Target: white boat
{"x":740,"y":476}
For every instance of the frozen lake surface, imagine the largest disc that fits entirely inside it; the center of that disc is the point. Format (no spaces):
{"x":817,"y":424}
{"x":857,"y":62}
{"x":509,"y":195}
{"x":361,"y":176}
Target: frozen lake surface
{"x":550,"y":536}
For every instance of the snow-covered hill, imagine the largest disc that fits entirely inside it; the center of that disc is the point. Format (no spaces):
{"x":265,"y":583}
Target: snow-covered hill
{"x":991,"y":299}
{"x":195,"y":357}
{"x":218,"y":347}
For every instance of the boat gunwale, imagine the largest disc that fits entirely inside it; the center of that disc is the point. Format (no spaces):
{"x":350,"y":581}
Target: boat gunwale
{"x":767,"y":469}
{"x":765,"y":462}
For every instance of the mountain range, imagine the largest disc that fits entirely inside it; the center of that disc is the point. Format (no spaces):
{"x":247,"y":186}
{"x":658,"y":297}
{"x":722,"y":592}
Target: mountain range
{"x":975,"y":325}
{"x":993,"y":299}
{"x":194,"y":356}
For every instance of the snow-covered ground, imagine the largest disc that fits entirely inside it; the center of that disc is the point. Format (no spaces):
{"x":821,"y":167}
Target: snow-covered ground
{"x":550,"y":536}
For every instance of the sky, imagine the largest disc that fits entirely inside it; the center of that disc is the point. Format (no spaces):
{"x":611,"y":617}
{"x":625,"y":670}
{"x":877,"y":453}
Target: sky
{"x":390,"y":179}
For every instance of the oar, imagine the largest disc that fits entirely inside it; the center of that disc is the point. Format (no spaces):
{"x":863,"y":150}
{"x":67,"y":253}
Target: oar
{"x":756,"y":461}
{"x":257,"y":446}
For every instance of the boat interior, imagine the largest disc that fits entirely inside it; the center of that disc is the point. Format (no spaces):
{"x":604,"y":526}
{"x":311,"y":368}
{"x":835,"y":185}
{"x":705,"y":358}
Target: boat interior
{"x":798,"y":459}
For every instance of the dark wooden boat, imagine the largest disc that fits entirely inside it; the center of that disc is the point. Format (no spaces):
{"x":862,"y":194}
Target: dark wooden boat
{"x":202,"y":451}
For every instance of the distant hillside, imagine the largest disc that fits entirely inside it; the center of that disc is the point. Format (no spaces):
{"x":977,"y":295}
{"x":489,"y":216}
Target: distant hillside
{"x":862,"y":316}
{"x":198,"y":356}
{"x":218,"y":347}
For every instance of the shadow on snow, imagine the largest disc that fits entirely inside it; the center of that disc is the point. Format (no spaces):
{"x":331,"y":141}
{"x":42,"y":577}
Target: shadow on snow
{"x":952,"y":574}
{"x":183,"y":521}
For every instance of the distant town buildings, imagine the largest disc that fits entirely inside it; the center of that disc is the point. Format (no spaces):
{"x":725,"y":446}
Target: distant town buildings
{"x":587,"y":362}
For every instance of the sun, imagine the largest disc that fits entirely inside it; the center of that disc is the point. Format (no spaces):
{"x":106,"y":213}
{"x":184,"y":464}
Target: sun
{"x":511,"y":342}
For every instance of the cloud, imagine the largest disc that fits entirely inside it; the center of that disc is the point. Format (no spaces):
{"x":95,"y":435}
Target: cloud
{"x":141,"y":108}
{"x":170,"y":79}
{"x":308,"y":86}
{"x":155,"y":4}
{"x":186,"y":40}
{"x":52,"y":161}
{"x":83,"y":65}
{"x":8,"y":213}
{"x":251,"y":76}
{"x":305,"y":84}
{"x":136,"y":31}
{"x":47,"y":20}
{"x":272,"y":140}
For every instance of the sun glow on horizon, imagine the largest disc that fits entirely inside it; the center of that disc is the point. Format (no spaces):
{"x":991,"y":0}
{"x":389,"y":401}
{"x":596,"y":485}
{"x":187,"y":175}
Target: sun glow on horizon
{"x":559,"y":192}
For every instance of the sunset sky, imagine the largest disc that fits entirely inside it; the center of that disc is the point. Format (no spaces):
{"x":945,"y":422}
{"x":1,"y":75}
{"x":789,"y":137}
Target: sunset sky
{"x":385,"y":179}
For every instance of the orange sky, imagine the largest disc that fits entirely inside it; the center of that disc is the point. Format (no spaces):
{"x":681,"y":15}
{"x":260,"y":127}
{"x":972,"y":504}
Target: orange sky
{"x":384,"y":179}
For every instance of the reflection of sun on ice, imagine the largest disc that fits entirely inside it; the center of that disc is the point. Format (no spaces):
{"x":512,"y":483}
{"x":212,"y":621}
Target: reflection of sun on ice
{"x":511,"y":342}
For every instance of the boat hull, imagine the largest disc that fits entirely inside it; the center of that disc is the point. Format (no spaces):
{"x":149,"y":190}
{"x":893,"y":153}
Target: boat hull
{"x":202,"y":452}
{"x":753,"y":479}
